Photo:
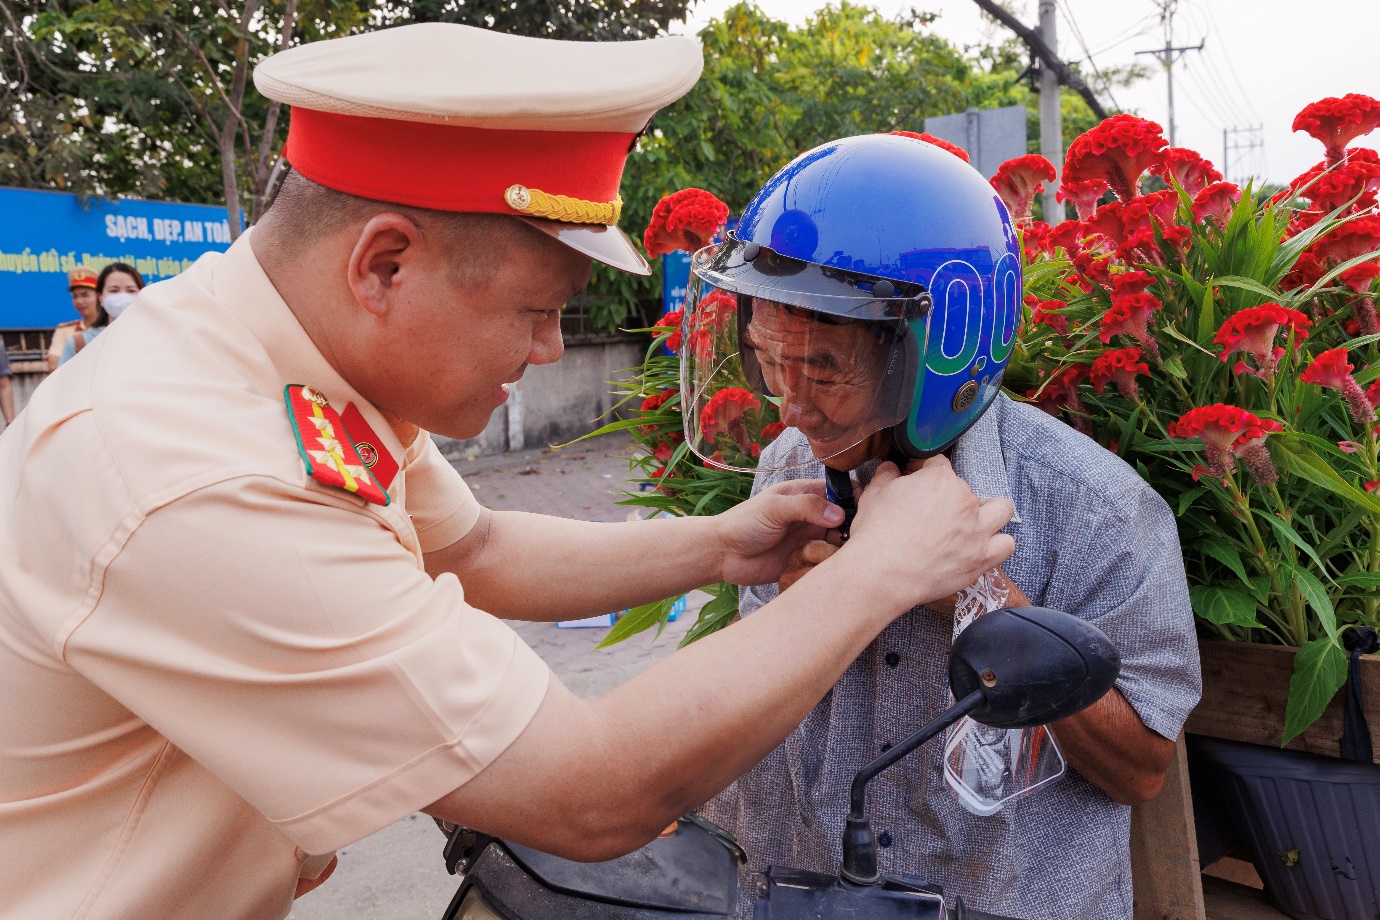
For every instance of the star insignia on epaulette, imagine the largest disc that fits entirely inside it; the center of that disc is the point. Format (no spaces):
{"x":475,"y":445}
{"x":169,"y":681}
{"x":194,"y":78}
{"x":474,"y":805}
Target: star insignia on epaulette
{"x":327,"y":450}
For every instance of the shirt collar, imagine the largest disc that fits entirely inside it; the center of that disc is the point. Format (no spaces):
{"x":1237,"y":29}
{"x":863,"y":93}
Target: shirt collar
{"x":244,"y":288}
{"x":977,"y":458}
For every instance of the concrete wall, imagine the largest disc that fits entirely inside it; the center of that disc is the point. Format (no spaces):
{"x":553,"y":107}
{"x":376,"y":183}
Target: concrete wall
{"x":555,"y":402}
{"x":551,"y":404}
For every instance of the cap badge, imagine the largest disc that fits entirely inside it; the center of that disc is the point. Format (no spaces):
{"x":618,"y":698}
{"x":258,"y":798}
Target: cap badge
{"x":536,"y":203}
{"x":329,"y":454}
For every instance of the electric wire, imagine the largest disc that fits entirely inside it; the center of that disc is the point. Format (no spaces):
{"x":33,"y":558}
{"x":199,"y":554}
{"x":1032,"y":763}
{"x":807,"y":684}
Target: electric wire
{"x":1078,"y":34}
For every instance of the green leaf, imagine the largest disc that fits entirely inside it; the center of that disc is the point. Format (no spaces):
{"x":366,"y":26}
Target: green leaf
{"x":1284,"y":530}
{"x":1175,"y":367}
{"x":1226,"y":554}
{"x":1319,"y":672}
{"x":1176,"y":334}
{"x":717,"y":613}
{"x":1246,"y":284}
{"x":1361,"y":580}
{"x":1303,"y":461}
{"x":636,"y":620}
{"x":1187,"y":499}
{"x":1316,"y":595}
{"x":1223,"y":606}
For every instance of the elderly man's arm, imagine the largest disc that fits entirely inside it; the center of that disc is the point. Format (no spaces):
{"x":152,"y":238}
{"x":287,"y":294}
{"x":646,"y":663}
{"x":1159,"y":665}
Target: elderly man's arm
{"x":1108,"y":743}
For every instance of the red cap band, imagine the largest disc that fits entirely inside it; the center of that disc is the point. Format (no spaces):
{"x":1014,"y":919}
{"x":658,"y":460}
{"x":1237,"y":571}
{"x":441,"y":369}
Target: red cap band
{"x":452,"y":167}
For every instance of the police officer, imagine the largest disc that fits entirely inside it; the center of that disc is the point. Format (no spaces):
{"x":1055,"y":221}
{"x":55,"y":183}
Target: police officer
{"x":81,"y":284}
{"x":249,"y":614}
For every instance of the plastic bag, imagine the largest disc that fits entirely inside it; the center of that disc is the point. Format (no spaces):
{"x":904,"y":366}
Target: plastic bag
{"x":987,"y":767}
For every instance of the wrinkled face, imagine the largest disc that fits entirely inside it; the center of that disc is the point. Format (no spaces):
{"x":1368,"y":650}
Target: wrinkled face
{"x":828,"y":373}
{"x":85,"y":302}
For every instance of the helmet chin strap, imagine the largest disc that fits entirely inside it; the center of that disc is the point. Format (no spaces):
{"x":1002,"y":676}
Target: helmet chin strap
{"x":839,"y":488}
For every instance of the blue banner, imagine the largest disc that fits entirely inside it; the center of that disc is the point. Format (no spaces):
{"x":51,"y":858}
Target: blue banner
{"x":44,"y":235}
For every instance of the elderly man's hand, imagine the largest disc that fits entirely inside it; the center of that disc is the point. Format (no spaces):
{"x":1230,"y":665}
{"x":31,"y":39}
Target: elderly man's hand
{"x":806,"y":558}
{"x":759,"y":536}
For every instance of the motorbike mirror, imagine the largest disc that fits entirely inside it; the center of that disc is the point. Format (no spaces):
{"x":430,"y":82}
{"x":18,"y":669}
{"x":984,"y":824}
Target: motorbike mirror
{"x":1011,"y":668}
{"x":1032,"y":665}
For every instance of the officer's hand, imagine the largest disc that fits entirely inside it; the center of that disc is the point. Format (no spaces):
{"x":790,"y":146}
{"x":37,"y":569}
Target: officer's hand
{"x":924,"y":536}
{"x":806,"y":558}
{"x":759,"y":536}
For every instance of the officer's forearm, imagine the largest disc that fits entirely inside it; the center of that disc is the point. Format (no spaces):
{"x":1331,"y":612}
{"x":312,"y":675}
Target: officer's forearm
{"x":535,"y":567}
{"x":591,"y":780}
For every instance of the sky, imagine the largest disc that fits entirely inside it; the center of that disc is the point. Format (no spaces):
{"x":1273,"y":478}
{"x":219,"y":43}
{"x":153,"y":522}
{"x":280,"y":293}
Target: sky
{"x":1262,"y":61}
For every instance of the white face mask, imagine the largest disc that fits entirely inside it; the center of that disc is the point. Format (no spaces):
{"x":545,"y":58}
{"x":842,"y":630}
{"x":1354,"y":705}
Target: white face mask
{"x":115,"y":304}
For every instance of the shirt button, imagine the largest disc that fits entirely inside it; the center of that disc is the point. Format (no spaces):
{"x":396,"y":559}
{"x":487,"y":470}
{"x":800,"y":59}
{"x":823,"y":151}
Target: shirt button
{"x":892,"y":659}
{"x":884,"y":840}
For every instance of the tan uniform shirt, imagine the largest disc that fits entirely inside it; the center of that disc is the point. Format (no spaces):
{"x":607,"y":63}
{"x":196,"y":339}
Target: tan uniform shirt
{"x":214,"y":671}
{"x":62,"y":333}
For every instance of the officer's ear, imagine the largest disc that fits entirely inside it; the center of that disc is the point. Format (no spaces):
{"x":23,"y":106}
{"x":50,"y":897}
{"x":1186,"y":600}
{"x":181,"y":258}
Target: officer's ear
{"x":384,"y":258}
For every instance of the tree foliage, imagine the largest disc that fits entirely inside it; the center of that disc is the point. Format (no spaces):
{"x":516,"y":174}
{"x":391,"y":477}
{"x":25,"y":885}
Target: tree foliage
{"x":771,"y":91}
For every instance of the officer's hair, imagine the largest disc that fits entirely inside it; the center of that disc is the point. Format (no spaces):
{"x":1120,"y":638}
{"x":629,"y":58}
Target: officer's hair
{"x":304,"y":212}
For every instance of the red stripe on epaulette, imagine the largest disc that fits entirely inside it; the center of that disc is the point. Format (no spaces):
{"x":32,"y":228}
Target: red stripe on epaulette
{"x":370,"y":446}
{"x":325,"y":445}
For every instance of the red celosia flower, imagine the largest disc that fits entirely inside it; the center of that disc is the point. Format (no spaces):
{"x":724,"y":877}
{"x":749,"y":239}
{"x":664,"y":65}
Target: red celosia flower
{"x":723,"y":414}
{"x":1372,"y":485}
{"x":1065,"y":237}
{"x":1117,"y":151}
{"x":1129,"y":316}
{"x":1253,"y":331}
{"x":1353,"y":239}
{"x":773,"y":431}
{"x":1035,"y":239}
{"x":1176,"y":237}
{"x":1042,"y":312}
{"x":1162,"y":205}
{"x":1121,"y":367}
{"x":1084,"y":195}
{"x":1106,"y":222}
{"x":1060,"y":393}
{"x":1229,"y":433}
{"x":1332,"y":370}
{"x":687,"y":220}
{"x":716,"y":310}
{"x":936,"y":141}
{"x":1019,"y":180}
{"x":657,"y":400}
{"x":1307,"y":271}
{"x":671,"y":320}
{"x":1329,"y":186}
{"x":1131,"y":282}
{"x":1373,"y":393}
{"x":1188,"y":168}
{"x":1337,"y":121}
{"x":1216,"y":202}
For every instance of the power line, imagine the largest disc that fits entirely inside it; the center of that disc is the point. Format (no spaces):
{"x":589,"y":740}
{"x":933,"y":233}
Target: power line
{"x":1170,"y":54}
{"x":1226,"y":53}
{"x":1078,"y":34}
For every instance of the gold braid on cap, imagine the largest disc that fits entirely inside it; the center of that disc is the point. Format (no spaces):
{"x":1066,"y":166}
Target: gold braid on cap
{"x":536,"y":203}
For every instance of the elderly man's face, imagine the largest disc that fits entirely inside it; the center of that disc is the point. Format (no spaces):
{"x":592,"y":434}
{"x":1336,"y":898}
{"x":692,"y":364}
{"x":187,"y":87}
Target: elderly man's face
{"x":827,"y":376}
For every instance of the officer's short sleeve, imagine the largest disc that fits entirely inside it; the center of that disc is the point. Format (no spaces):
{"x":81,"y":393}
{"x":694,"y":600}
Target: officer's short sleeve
{"x":295,"y":649}
{"x":442,"y":507}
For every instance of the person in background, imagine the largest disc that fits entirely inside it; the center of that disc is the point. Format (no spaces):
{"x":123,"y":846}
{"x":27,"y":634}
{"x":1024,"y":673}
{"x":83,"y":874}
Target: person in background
{"x":116,"y":289}
{"x":81,"y":284}
{"x":6,"y":390}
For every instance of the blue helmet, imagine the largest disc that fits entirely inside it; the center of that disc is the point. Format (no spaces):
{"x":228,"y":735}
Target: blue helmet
{"x":884,"y":232}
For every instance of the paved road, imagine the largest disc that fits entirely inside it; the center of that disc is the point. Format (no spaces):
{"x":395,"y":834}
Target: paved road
{"x":397,"y":873}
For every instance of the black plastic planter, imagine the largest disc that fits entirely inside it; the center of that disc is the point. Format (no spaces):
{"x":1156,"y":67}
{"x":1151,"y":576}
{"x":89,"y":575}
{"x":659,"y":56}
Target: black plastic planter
{"x":1311,"y":823}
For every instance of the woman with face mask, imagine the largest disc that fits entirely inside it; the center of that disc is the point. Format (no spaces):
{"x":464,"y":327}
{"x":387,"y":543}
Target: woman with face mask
{"x":116,"y":288}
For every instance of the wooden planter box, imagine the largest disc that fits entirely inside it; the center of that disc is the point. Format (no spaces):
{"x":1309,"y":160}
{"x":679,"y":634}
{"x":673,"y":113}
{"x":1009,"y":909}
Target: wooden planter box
{"x":1245,"y":687}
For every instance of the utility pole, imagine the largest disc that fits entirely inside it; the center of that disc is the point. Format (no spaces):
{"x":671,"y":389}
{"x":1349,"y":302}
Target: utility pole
{"x":1051,"y":128}
{"x":1170,"y":54}
{"x":1254,"y":140}
{"x":1067,"y":75}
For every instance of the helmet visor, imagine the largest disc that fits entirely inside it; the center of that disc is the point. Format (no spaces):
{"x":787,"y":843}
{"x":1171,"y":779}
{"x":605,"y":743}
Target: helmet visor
{"x":753,"y":367}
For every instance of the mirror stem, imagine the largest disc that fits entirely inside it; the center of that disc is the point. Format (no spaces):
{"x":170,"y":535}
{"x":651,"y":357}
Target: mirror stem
{"x":859,"y":844}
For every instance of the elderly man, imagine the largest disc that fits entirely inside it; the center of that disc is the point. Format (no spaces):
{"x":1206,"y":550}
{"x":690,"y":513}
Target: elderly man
{"x":878,"y":336}
{"x":248,"y":614}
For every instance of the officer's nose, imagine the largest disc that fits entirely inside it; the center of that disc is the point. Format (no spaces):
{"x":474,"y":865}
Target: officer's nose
{"x":547,"y":343}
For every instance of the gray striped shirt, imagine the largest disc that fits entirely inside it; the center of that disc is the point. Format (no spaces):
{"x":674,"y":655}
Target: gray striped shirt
{"x":1093,"y":539}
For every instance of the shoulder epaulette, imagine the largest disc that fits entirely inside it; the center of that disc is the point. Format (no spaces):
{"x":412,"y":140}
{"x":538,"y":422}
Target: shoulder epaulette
{"x":329,"y":453}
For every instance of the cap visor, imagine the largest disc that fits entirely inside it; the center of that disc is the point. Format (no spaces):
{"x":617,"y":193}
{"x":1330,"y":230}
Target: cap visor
{"x":609,"y":245}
